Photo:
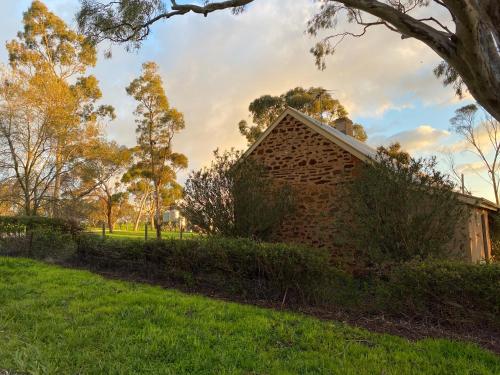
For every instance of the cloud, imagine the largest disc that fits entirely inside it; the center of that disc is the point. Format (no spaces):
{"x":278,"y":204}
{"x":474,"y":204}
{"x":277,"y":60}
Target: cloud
{"x":422,"y":138}
{"x":474,"y":167}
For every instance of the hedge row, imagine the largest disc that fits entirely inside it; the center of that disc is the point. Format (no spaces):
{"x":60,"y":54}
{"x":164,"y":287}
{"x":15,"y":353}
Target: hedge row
{"x":19,"y":225}
{"x":455,"y":293}
{"x":37,"y":237}
{"x":255,"y":270}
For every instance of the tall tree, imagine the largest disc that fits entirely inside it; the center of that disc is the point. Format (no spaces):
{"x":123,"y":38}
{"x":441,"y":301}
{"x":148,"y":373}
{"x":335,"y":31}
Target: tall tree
{"x":467,"y":37}
{"x":315,"y":102}
{"x":49,"y":52}
{"x":27,"y":165}
{"x":157,"y":123}
{"x":483,"y":138}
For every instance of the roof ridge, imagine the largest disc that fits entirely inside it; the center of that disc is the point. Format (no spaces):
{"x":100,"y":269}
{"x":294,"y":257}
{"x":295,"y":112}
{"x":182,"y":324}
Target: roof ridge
{"x":361,"y":147}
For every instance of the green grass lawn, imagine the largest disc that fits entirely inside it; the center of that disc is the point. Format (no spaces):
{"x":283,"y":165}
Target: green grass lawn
{"x":60,"y":321}
{"x":140,"y":234}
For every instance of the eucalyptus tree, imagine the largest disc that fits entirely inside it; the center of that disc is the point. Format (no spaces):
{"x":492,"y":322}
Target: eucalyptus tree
{"x":26,"y":164}
{"x":315,"y":102}
{"x":157,"y":124}
{"x":464,"y":33}
{"x":57,"y":58}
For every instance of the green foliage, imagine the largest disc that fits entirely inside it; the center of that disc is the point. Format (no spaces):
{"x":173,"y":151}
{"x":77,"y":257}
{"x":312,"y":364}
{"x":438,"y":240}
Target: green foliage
{"x":234,"y":197}
{"x":450,"y":291}
{"x":37,"y":237}
{"x":315,"y":102}
{"x":60,"y":321}
{"x":259,"y":270}
{"x":118,"y":20}
{"x":494,"y":223}
{"x":399,"y":209}
{"x":19,"y":224}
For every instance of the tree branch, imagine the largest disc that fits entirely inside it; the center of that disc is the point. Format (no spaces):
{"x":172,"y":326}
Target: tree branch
{"x":408,"y":26}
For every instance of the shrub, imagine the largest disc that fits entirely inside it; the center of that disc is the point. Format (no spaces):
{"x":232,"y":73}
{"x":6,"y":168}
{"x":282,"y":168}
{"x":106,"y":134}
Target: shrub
{"x":37,"y":237}
{"x":399,"y":209}
{"x":446,"y":291}
{"x":494,"y":221}
{"x":234,"y":198}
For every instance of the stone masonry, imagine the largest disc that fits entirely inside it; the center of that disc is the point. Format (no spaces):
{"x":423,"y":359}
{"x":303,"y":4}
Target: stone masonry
{"x":315,"y":168}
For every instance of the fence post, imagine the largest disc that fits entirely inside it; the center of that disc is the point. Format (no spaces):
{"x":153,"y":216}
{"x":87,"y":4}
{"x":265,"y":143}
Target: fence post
{"x":146,"y":231}
{"x":103,"y":230}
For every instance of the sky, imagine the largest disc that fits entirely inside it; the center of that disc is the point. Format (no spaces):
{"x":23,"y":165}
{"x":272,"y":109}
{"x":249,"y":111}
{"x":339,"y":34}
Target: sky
{"x":214,"y":66}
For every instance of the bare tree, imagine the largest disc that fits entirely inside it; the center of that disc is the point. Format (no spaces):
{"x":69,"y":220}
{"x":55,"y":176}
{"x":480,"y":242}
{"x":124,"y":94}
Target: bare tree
{"x":455,"y":172}
{"x":467,"y":38}
{"x":473,"y":131}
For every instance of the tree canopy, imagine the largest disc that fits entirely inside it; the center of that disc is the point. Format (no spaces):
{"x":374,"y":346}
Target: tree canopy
{"x":467,"y":38}
{"x":315,"y":102}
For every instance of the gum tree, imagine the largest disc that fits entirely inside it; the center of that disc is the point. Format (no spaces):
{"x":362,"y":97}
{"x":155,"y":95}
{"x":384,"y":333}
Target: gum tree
{"x":49,"y":54}
{"x":314,"y":101}
{"x":157,"y":123}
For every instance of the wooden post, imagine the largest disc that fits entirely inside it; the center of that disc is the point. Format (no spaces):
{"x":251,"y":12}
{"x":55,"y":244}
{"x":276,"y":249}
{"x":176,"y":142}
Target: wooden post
{"x":463,"y":184}
{"x":146,"y":231}
{"x":103,"y":230}
{"x":180,"y":227}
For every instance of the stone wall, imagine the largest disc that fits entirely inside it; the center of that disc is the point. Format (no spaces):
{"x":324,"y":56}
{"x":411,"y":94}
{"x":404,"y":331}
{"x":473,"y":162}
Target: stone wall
{"x":316,"y":168}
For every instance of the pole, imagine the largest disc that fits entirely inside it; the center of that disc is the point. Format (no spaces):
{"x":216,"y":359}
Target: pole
{"x":103,"y":230}
{"x":463,"y":184}
{"x":146,"y":231}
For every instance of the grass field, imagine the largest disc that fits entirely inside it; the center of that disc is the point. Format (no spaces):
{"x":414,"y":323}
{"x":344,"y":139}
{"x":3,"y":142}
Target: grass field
{"x":140,"y":234}
{"x":60,"y":321}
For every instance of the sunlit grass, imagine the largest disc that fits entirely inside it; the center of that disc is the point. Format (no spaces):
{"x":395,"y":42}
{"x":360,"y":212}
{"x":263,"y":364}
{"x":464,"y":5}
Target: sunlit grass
{"x":60,"y":321}
{"x":140,"y":234}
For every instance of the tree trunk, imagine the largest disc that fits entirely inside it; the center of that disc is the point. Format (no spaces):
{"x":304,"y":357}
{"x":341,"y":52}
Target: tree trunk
{"x":152,"y":216}
{"x":139,"y":214}
{"x":157,"y":208}
{"x":109,"y":215}
{"x":477,"y":57}
{"x":57,"y":181}
{"x":495,"y":188}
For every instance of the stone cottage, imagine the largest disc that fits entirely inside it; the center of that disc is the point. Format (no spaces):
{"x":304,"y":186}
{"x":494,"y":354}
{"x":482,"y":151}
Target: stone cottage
{"x":315,"y":159}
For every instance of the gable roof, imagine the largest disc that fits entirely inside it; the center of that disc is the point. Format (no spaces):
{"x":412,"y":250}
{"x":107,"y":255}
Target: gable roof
{"x":359,"y":149}
{"x":348,"y":143}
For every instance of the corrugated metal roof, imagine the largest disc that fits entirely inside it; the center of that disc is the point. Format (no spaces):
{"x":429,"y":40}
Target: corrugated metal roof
{"x":361,"y":147}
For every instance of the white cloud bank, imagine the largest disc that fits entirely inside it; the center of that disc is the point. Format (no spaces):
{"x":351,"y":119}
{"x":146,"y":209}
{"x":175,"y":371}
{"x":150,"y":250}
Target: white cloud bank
{"x":421,"y":139}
